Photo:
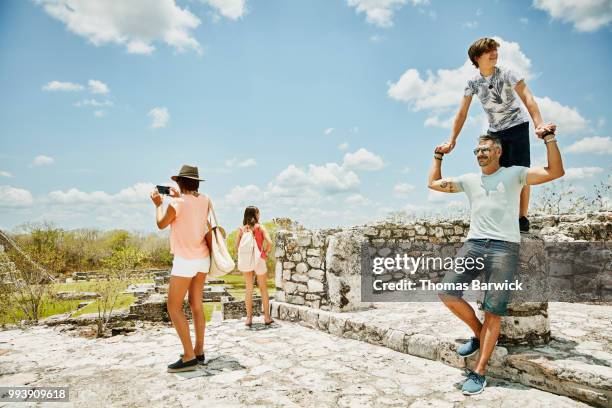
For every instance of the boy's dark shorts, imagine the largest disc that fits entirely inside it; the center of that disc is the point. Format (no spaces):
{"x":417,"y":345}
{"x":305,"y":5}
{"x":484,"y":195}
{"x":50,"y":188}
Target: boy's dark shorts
{"x":515,"y":146}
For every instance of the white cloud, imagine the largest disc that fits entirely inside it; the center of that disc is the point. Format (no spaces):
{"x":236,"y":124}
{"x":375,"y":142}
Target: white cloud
{"x":328,"y":131}
{"x":43,"y":160}
{"x":234,"y":162}
{"x":246,"y":195}
{"x":595,"y":145}
{"x":442,"y":123}
{"x":13,"y":197}
{"x":76,"y":196}
{"x":97,"y":87}
{"x":136,"y":194}
{"x":470,"y":24}
{"x":94,"y":102}
{"x":160,"y":117}
{"x":437,"y":196}
{"x":585,"y":15}
{"x":579,"y":173}
{"x":343,"y":146}
{"x":328,"y":178}
{"x":403,"y":189}
{"x":524,"y":20}
{"x":135,"y":24}
{"x":376,"y":38}
{"x":5,"y":174}
{"x":567,"y":119}
{"x":356,"y":199}
{"x":139,"y":47}
{"x":99,"y":113}
{"x":62,"y":86}
{"x":378,"y":12}
{"x":363,"y":159}
{"x":232,"y":9}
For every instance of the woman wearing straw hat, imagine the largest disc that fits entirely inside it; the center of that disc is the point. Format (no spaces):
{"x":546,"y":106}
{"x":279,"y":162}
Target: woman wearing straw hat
{"x":187,"y":215}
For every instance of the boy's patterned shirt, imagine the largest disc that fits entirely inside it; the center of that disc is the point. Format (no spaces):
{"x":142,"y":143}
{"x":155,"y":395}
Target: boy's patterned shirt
{"x":500,"y":101}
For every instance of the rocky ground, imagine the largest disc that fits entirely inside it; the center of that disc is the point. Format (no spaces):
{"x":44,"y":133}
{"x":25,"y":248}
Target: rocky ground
{"x":283,"y":366}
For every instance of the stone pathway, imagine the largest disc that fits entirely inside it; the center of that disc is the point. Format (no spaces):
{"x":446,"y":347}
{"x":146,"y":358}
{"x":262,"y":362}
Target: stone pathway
{"x":284,"y":366}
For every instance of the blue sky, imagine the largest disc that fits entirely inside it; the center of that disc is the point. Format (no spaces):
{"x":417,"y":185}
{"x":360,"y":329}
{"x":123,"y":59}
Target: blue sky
{"x":325,"y":111}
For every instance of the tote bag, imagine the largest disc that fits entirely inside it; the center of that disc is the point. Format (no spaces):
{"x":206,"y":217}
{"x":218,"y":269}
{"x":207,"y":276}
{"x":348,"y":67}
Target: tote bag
{"x":221,"y":261}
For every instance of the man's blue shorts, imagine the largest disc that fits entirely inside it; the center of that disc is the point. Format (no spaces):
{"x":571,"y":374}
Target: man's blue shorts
{"x":500,"y":259}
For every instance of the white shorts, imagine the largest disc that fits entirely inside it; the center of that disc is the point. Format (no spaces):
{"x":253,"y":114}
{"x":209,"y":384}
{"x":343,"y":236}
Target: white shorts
{"x":188,"y":268}
{"x":261,"y":268}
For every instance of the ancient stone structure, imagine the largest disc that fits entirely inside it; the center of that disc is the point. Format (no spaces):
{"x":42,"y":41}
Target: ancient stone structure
{"x":215,"y":293}
{"x":321,"y":268}
{"x":236,"y":309}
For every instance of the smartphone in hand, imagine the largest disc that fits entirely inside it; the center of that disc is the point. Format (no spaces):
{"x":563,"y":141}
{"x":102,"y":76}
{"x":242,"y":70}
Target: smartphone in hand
{"x":165,"y":190}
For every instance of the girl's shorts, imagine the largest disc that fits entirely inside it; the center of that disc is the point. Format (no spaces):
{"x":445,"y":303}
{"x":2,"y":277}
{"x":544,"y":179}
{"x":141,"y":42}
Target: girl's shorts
{"x":261,"y":268}
{"x":188,"y":268}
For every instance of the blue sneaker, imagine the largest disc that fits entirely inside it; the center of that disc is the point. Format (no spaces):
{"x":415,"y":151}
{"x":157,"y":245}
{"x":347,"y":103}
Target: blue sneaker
{"x":469,"y":348}
{"x":475,"y":384}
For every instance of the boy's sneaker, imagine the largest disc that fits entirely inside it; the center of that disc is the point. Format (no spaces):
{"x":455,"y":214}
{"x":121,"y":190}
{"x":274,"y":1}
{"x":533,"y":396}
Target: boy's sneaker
{"x":475,"y":384}
{"x":523,"y":224}
{"x":181,"y":366}
{"x":469,"y":348}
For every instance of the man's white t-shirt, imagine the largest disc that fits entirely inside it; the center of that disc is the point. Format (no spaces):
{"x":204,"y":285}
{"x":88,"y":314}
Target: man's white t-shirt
{"x":494,"y":202}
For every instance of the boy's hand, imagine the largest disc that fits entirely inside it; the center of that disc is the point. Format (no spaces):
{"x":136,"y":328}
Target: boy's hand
{"x":445,"y":147}
{"x":440,"y":148}
{"x":543,"y":130}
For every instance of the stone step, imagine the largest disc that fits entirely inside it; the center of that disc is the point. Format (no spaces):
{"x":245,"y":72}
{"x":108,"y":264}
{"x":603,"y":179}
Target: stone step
{"x":554,"y":368}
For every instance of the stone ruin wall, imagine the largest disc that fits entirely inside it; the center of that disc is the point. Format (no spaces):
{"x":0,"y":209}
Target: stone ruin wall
{"x":321,"y":268}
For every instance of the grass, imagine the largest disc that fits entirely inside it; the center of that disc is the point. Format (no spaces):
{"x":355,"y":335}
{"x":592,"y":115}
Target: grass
{"x":88,"y":286}
{"x":123,"y":302}
{"x":51,"y":307}
{"x":56,"y":306}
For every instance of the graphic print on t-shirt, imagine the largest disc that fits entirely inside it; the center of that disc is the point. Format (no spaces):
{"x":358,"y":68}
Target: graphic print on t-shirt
{"x":498,"y":99}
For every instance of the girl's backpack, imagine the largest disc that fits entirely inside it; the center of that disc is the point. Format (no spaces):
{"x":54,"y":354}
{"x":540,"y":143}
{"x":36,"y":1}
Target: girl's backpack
{"x":248,"y":251}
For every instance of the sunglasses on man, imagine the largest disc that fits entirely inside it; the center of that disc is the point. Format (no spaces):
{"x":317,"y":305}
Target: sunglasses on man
{"x":485,"y":150}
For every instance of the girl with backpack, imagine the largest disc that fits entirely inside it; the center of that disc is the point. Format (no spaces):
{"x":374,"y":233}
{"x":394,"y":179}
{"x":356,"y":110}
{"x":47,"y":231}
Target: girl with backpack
{"x":250,"y":242}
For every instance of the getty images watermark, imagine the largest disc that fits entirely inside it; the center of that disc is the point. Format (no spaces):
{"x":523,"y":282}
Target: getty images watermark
{"x":418,"y":271}
{"x":415,"y":266}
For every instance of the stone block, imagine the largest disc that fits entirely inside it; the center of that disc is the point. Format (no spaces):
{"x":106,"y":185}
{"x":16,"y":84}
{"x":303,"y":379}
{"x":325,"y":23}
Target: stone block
{"x":304,"y":240}
{"x":423,"y":345}
{"x":237,"y":309}
{"x":295,"y":299}
{"x":298,"y":277}
{"x":301,"y":268}
{"x":315,"y":286}
{"x":316,"y":274}
{"x":289,"y":287}
{"x":314,"y":262}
